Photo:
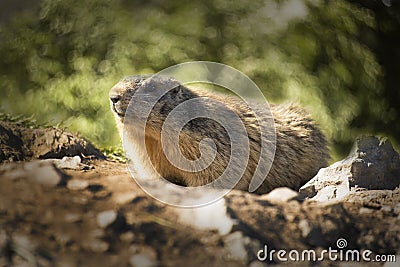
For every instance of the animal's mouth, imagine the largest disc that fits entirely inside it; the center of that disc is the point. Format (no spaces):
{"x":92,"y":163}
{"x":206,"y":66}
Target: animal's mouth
{"x":117,"y":110}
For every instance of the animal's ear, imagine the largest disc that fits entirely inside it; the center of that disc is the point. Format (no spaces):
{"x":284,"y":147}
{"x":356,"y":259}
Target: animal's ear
{"x":177,"y":92}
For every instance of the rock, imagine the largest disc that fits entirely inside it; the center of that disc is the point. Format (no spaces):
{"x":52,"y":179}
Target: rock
{"x":280,"y":195}
{"x":326,"y":193}
{"x":372,"y":164}
{"x":304,"y":227}
{"x":97,"y":245}
{"x":235,"y":246}
{"x":4,"y":241}
{"x":127,"y":237}
{"x":312,"y":234}
{"x":106,"y":218}
{"x":123,"y":198}
{"x":44,"y":173}
{"x":386,"y":208}
{"x":257,"y":264}
{"x":396,"y":209}
{"x":210,"y":217}
{"x":112,"y":219}
{"x":77,"y":184}
{"x":72,"y":163}
{"x":25,"y":246}
{"x":72,"y":217}
{"x":141,"y":260}
{"x":364,"y":210}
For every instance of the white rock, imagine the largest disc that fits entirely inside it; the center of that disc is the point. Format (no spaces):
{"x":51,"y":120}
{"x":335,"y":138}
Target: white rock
{"x":73,"y":163}
{"x":38,"y":171}
{"x":123,"y":198}
{"x":326,"y":194}
{"x":280,"y":195}
{"x":211,"y":217}
{"x":77,"y":184}
{"x":304,"y":227}
{"x":364,"y":210}
{"x":106,"y":218}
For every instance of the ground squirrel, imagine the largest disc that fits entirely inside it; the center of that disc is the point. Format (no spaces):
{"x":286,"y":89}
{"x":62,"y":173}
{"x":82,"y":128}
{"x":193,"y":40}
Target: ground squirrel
{"x":301,"y":148}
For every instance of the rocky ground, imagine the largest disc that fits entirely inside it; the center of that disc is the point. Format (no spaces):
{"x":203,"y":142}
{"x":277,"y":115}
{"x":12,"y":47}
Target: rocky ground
{"x":86,"y":210}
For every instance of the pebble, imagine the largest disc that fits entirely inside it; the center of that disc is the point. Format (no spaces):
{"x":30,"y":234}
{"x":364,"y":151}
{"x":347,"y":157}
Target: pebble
{"x":280,"y":195}
{"x":386,"y":208}
{"x":141,"y":260}
{"x":235,"y":246}
{"x":72,"y":217}
{"x":39,"y":171}
{"x":77,"y":184}
{"x":106,"y":218}
{"x":210,"y":217}
{"x":396,"y":209}
{"x":364,"y":210}
{"x":97,"y":245}
{"x":124,"y":198}
{"x":73,"y":163}
{"x":305,"y":228}
{"x":96,"y":233}
{"x":127,"y":237}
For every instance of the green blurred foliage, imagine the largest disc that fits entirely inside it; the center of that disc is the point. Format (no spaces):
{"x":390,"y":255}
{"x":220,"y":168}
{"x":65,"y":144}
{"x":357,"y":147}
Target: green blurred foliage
{"x":59,"y":64}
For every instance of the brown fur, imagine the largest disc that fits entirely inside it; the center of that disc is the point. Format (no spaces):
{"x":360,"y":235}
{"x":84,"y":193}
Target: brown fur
{"x":301,"y":148}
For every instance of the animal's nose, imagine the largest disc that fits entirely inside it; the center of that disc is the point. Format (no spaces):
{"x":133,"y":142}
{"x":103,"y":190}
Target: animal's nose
{"x":115,"y":98}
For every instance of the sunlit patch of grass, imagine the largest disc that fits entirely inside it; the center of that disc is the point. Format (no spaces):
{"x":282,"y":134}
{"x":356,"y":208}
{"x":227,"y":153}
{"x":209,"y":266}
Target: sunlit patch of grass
{"x":115,"y":153}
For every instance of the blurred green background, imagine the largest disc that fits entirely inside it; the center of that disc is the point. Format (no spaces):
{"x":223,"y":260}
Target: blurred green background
{"x":339,"y":59}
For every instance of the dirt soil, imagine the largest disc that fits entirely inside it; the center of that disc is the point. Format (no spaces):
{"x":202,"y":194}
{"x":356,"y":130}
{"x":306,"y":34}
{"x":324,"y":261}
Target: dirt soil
{"x":98,"y":216}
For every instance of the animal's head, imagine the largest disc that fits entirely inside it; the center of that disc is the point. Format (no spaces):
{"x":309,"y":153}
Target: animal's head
{"x":162,"y":94}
